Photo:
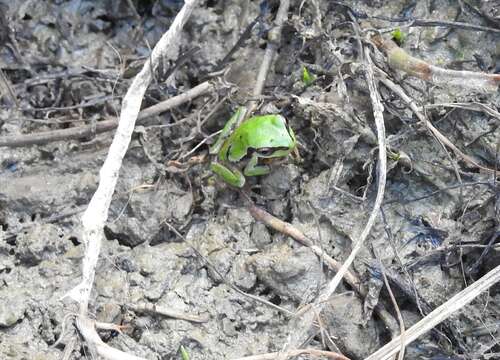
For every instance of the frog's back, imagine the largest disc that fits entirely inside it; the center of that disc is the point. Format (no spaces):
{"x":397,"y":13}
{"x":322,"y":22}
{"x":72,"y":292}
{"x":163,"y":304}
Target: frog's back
{"x":267,"y":131}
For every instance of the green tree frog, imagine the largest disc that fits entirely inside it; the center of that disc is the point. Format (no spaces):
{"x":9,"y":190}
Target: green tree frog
{"x":260,"y":137}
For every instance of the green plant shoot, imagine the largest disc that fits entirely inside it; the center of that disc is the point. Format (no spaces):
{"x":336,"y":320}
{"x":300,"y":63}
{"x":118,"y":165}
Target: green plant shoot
{"x":398,"y":36}
{"x":307,"y":78}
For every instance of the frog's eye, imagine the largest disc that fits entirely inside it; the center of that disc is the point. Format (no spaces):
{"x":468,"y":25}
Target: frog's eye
{"x":265,"y":151}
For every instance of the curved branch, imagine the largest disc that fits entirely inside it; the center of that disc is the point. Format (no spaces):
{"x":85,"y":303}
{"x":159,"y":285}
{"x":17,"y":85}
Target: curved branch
{"x":103,"y":126}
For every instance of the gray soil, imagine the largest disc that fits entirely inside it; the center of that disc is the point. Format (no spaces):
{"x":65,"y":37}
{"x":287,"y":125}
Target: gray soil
{"x":69,"y":63}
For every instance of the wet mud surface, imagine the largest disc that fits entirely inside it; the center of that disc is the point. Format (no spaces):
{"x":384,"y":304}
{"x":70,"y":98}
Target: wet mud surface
{"x":69,"y":63}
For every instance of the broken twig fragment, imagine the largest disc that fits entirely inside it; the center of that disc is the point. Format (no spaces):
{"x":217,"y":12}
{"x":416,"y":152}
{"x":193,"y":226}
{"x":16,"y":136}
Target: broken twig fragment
{"x":174,"y":314}
{"x":399,"y":59}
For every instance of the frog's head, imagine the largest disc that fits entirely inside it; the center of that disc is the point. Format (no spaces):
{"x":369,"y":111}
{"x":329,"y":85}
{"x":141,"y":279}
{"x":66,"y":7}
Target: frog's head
{"x":268,"y":135}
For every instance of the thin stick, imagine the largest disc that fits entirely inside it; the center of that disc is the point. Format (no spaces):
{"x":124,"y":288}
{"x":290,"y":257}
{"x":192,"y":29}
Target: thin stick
{"x":313,"y":352}
{"x":86,"y":327}
{"x":290,"y":230}
{"x":106,"y":125}
{"x":474,"y":106}
{"x":378,"y":113}
{"x":271,"y":49}
{"x":424,"y":22}
{"x":297,"y":337}
{"x":168,"y":312}
{"x":350,"y":277}
{"x":69,"y":348}
{"x":438,"y":315}
{"x":94,"y":218}
{"x":223,"y":279}
{"x":452,"y":24}
{"x":398,"y":312}
{"x":398,"y":91}
{"x":436,"y":192}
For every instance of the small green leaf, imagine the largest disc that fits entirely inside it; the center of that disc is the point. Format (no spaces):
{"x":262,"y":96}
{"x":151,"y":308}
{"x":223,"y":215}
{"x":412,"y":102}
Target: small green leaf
{"x":398,"y":36}
{"x":184,"y":353}
{"x":307,"y":78}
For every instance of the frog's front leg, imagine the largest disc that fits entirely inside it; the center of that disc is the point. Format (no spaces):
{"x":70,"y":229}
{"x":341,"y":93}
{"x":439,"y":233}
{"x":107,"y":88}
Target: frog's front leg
{"x":252,"y":169}
{"x":231,"y":176}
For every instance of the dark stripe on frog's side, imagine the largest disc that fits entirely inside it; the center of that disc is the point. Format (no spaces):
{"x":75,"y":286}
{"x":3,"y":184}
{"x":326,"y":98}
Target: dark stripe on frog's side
{"x":273,"y":150}
{"x":251,"y":151}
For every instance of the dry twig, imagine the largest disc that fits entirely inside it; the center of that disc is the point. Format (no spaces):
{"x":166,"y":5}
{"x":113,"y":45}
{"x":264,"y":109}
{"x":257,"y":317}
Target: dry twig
{"x":474,"y":106}
{"x":413,"y":106}
{"x":94,"y":218}
{"x":452,"y":24}
{"x":162,"y":310}
{"x":398,"y":312}
{"x":351,"y":278}
{"x":312,"y":352}
{"x":106,"y":125}
{"x":438,"y":315}
{"x":223,"y":278}
{"x":410,"y":21}
{"x":399,"y":59}
{"x":304,"y":323}
{"x":290,"y":230}
{"x":87,"y":329}
{"x":271,"y":49}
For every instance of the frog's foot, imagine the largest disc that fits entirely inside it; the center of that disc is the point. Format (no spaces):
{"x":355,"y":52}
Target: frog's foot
{"x":234,"y":178}
{"x":257,"y":171}
{"x":252,"y":169}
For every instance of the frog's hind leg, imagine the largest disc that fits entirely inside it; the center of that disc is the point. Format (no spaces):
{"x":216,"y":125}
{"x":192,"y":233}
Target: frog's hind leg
{"x":226,"y":131}
{"x":232,"y":177}
{"x":252,"y":169}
